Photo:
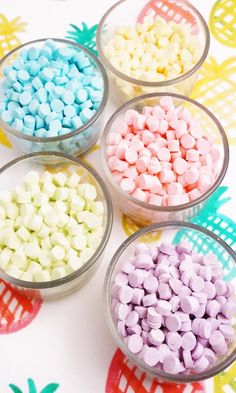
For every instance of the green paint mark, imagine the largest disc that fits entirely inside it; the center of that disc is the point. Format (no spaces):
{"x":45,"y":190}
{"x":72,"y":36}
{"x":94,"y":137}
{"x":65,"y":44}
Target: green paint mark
{"x":222,"y":225}
{"x":50,"y":388}
{"x":85,"y":36}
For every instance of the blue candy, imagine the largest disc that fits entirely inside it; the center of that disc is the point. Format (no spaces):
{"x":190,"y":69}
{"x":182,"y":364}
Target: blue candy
{"x":51,"y":91}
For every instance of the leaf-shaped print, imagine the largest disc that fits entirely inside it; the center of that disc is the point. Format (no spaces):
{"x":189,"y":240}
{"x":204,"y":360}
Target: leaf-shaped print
{"x":52,"y":387}
{"x":15,"y":388}
{"x":32,"y":387}
{"x":85,"y":36}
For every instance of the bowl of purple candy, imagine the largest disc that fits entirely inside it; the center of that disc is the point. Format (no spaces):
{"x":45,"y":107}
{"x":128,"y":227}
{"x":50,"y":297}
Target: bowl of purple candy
{"x":52,"y":97}
{"x":169,"y":305}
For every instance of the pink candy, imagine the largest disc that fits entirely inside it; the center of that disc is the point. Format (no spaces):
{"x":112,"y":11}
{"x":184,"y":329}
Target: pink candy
{"x":173,"y":308}
{"x":163,"y":143}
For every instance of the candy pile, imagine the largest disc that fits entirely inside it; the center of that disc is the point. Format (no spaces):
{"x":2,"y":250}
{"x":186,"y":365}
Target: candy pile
{"x":173,"y":308}
{"x":50,"y":91}
{"x":162,"y":156}
{"x":153,"y":51}
{"x":50,"y":226}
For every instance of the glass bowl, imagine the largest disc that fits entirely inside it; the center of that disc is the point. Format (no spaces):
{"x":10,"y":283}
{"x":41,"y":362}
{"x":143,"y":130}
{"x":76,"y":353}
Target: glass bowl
{"x":128,"y":13}
{"x":202,"y":241}
{"x":75,"y":142}
{"x":12,"y":175}
{"x":141,"y":212}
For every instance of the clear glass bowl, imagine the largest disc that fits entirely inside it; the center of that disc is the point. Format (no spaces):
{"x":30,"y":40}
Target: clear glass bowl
{"x":127,"y":13}
{"x":12,"y":175}
{"x":141,"y":212}
{"x":75,"y":142}
{"x":202,"y":241}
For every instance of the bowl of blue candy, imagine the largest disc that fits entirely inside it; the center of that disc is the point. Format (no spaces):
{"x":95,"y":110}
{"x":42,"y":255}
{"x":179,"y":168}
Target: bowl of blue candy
{"x":53,"y":93}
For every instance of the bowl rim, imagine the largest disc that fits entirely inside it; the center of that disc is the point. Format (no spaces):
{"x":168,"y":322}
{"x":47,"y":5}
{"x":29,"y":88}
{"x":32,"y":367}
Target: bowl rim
{"x":106,"y":295}
{"x":84,"y":127}
{"x":175,"y":208}
{"x":106,"y":235}
{"x":139,"y":82}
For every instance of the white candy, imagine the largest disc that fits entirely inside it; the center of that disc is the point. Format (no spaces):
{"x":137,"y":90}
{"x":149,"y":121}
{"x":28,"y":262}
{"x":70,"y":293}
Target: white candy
{"x":45,"y":177}
{"x":22,"y":196}
{"x":26,"y":276}
{"x":33,"y":222}
{"x":5,"y":198}
{"x":46,"y":244}
{"x":2,"y":213}
{"x":19,"y":259}
{"x":90,"y":192}
{"x":97,"y":208}
{"x":26,"y":209}
{"x":51,"y":219}
{"x":75,"y":263}
{"x":40,"y":199}
{"x":5,"y":257}
{"x":12,"y":210}
{"x":34,"y":267}
{"x":60,"y":240}
{"x":44,"y":258}
{"x":43,"y":231}
{"x":13,"y":271}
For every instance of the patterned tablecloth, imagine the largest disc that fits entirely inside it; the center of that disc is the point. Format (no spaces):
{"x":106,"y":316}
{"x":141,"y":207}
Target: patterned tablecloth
{"x":65,"y":345}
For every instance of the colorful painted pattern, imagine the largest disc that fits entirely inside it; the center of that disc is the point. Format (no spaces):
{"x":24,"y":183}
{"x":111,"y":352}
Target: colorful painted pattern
{"x":125,"y":377}
{"x":9,"y":30}
{"x":216,"y":89}
{"x":222,"y":22}
{"x":226,"y":381}
{"x":131,"y":227}
{"x":85,"y":36}
{"x":50,"y":388}
{"x":16,"y":310}
{"x":218,"y":223}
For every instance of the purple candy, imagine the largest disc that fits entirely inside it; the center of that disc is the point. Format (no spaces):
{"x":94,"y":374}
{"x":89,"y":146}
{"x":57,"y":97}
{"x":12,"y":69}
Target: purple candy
{"x":173,"y":308}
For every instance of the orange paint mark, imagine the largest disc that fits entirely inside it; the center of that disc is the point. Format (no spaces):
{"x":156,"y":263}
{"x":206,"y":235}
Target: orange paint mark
{"x":124,"y":377}
{"x":16,"y":310}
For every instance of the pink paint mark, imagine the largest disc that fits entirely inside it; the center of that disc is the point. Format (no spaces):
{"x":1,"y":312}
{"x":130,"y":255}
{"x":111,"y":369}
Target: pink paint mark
{"x":125,"y":377}
{"x":16,"y":310}
{"x":170,"y":11}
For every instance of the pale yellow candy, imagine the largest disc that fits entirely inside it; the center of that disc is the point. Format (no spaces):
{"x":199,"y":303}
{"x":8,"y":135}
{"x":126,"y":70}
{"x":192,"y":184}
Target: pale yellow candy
{"x":73,"y":180}
{"x":34,"y":267}
{"x":61,"y":194}
{"x":58,"y":272}
{"x":23,"y":233}
{"x":19,"y":259}
{"x":59,"y":179}
{"x":5,"y":197}
{"x":31,"y":177}
{"x":26,"y":276}
{"x":40,"y":199}
{"x":32,"y":250}
{"x":33,"y":222}
{"x":45,"y":177}
{"x":75,"y":263}
{"x":22,"y":196}
{"x":44,"y":231}
{"x":13,"y":271}
{"x":49,"y":188}
{"x":45,"y":258}
{"x":41,"y":276}
{"x":2,"y":213}
{"x":41,"y":237}
{"x":79,"y":242}
{"x":58,"y":253}
{"x":5,"y":257}
{"x":86,"y":254}
{"x":46,"y":243}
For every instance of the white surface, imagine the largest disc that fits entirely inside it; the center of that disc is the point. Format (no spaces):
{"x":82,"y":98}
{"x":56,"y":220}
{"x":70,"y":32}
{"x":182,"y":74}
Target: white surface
{"x":68,"y":342}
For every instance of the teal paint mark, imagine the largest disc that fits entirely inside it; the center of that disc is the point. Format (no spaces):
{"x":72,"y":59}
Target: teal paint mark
{"x":85,"y":36}
{"x":218,"y":223}
{"x":50,"y":388}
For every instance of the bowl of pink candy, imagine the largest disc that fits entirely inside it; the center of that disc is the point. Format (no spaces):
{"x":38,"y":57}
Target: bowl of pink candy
{"x":168,"y":304}
{"x":163,"y":155}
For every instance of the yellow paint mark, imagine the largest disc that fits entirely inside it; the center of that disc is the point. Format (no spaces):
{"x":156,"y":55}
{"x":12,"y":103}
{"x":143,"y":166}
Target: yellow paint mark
{"x":216,"y":89}
{"x":222,"y":22}
{"x":3,"y":139}
{"x":131,"y":227}
{"x":225,"y":379}
{"x":8,"y":33}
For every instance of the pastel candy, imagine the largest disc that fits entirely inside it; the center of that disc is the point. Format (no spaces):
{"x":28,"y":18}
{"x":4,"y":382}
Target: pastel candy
{"x":166,"y":163}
